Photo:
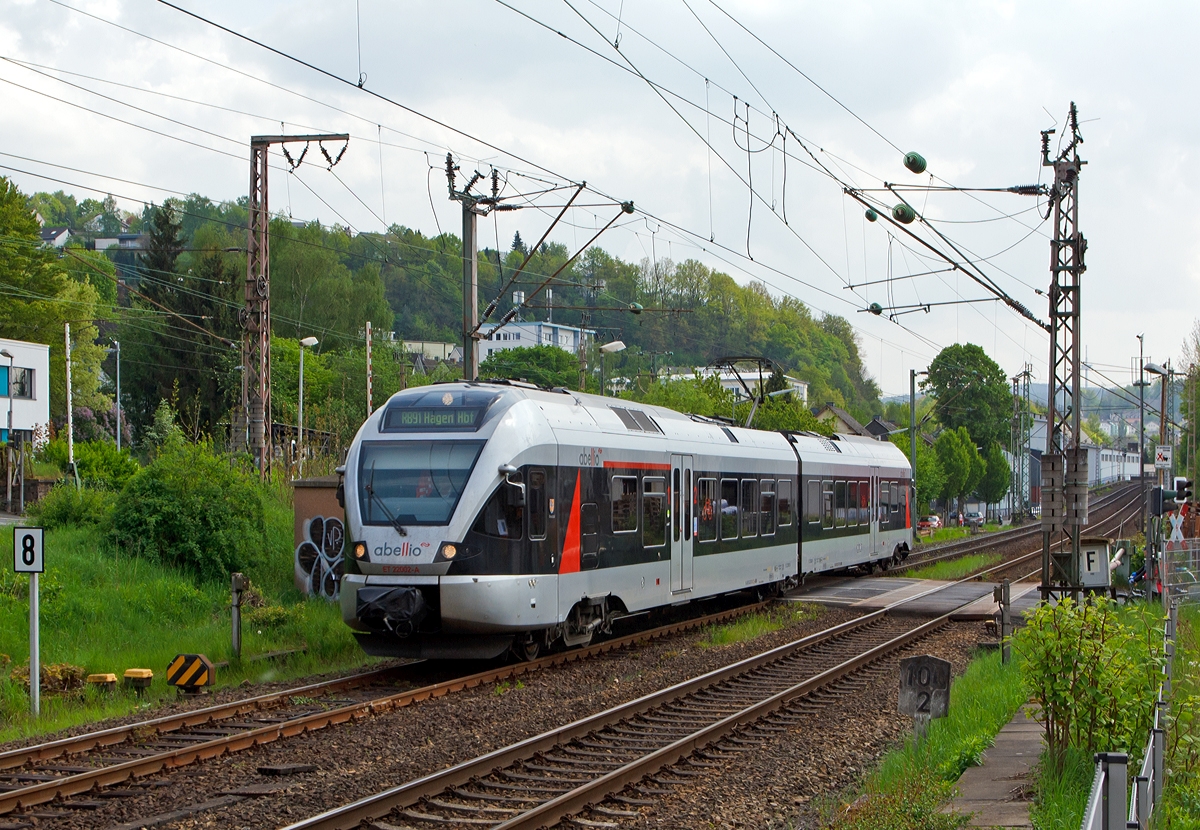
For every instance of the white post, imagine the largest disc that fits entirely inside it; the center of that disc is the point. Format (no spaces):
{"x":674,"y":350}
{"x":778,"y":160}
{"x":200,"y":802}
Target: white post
{"x":369,"y":378}
{"x":300,"y":414}
{"x":70,"y":409}
{"x":117,"y":343}
{"x":35,"y":657}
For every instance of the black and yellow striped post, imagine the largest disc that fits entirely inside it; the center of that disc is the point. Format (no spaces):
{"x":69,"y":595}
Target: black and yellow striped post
{"x":190,"y":672}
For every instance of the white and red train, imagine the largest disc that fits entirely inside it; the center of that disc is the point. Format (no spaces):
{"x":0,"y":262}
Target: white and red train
{"x":484,"y":517}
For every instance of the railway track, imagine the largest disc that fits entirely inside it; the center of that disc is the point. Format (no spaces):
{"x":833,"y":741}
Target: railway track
{"x":990,"y":541}
{"x":43,"y":773}
{"x":598,"y":769}
{"x":603,"y":765}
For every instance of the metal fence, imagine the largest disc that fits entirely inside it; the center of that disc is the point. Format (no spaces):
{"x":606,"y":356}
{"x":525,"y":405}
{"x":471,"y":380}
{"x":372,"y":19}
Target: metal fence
{"x":1182,"y":565}
{"x":1110,"y":785}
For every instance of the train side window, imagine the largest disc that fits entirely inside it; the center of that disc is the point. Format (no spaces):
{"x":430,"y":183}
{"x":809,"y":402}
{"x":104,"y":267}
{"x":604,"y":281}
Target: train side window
{"x":766,"y":502}
{"x":707,"y":510}
{"x":537,"y":504}
{"x":654,"y":512}
{"x":729,"y":508}
{"x":675,"y":512}
{"x":827,"y":516}
{"x":839,"y":503}
{"x":502,"y":515}
{"x":896,"y":496}
{"x":864,"y":502}
{"x":624,"y":504}
{"x":784,"y":491}
{"x":852,"y":504}
{"x":813,"y":508}
{"x":749,"y":514}
{"x":884,"y":501}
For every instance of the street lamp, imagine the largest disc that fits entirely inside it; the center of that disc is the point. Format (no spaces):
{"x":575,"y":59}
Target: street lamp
{"x":8,"y":434}
{"x":608,"y":348}
{"x":309,"y":342}
{"x":1155,"y":369}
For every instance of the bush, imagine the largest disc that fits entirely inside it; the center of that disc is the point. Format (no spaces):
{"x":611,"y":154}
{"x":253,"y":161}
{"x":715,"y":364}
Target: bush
{"x":1092,"y":675}
{"x":191,"y":508}
{"x":67,"y":506}
{"x":100,"y":464}
{"x":53,"y":452}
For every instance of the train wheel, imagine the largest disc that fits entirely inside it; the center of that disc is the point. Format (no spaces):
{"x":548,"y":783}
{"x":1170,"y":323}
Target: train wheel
{"x":527,"y":647}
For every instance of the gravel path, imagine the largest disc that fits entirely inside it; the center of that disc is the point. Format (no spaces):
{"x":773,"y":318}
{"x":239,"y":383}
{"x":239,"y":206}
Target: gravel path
{"x":358,"y":759}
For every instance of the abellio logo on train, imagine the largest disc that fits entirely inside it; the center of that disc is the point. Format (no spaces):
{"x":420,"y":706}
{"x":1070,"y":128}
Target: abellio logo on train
{"x":402,"y":549}
{"x":590,"y":457}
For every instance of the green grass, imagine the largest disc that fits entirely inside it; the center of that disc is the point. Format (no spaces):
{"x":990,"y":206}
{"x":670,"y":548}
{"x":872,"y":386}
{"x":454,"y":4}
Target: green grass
{"x":1062,"y":794}
{"x":756,"y":625}
{"x":950,"y":534}
{"x":913,"y":782}
{"x":953,"y":569}
{"x":107,"y":613}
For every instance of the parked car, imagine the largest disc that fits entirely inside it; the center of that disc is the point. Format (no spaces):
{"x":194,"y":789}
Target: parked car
{"x":974,"y":517}
{"x":929,"y":523}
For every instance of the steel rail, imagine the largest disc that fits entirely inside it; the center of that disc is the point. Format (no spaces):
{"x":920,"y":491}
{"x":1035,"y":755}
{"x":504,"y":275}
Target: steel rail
{"x":1007,"y":537}
{"x":379,"y":805}
{"x":116,"y":735}
{"x":46,"y":791}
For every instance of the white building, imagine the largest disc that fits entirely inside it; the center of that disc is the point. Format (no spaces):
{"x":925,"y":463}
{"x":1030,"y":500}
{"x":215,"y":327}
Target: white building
{"x":528,"y":335}
{"x":24,"y":388}
{"x":730,"y":381}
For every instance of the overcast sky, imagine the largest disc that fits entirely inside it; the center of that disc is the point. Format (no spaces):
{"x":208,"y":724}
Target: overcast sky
{"x":969,"y":86}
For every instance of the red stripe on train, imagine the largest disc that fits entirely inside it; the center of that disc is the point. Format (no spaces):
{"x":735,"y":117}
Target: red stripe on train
{"x":570,"y":555}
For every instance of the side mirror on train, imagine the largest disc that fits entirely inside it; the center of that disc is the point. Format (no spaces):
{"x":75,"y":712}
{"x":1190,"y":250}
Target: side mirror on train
{"x":507,"y":470}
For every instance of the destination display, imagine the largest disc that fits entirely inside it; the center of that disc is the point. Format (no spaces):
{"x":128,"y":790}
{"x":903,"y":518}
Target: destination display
{"x":433,"y":419}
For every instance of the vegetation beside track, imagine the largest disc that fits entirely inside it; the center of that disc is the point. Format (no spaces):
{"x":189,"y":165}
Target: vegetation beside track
{"x":107,"y":608}
{"x":912,"y":782}
{"x":954,"y":568}
{"x":752,"y":626}
{"x":952,"y":534}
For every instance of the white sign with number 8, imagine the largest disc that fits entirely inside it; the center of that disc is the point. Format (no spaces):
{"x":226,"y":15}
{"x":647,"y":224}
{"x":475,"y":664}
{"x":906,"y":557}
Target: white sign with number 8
{"x":28,"y":550}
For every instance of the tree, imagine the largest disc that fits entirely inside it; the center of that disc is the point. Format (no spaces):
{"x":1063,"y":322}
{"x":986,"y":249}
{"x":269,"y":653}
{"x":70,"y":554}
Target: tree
{"x":996,"y":479}
{"x":930,"y":477}
{"x":547,"y":366}
{"x":971,"y":391}
{"x":955,"y":457}
{"x":518,"y":244}
{"x":39,"y":298}
{"x":978,"y":465}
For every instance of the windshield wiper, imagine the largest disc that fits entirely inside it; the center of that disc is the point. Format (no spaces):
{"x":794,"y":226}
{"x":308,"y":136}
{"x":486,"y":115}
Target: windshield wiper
{"x":392,"y":520}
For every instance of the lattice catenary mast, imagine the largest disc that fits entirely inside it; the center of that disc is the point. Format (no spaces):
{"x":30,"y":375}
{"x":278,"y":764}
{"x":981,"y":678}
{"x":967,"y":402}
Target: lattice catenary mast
{"x":256,"y":314}
{"x":1064,"y":466}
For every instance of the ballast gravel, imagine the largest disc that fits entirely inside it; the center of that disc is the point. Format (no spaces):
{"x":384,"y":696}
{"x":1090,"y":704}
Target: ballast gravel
{"x":771,"y":786}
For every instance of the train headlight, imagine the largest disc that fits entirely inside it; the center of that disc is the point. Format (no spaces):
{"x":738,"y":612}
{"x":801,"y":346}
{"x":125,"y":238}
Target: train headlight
{"x":449,"y":551}
{"x":360,"y":550}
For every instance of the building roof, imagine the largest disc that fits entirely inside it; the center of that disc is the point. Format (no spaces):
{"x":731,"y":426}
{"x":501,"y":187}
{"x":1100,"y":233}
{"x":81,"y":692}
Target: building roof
{"x":881,"y":428}
{"x":852,"y":425}
{"x":53,"y":234}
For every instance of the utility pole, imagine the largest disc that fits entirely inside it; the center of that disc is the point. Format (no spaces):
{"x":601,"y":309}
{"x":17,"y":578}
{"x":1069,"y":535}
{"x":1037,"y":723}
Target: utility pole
{"x":70,"y":408}
{"x":1141,"y":385}
{"x":256,"y":314}
{"x":1064,"y":466}
{"x":1022,"y":424}
{"x":117,"y":346}
{"x":473,"y":207}
{"x":369,"y":376}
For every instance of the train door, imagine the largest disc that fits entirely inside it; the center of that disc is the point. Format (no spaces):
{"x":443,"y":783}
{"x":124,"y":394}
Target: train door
{"x":682,"y":511}
{"x":874,"y":511}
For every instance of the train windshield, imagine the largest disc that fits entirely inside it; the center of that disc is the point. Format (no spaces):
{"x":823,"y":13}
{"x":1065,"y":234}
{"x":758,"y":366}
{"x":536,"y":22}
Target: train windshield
{"x":413,"y":482}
